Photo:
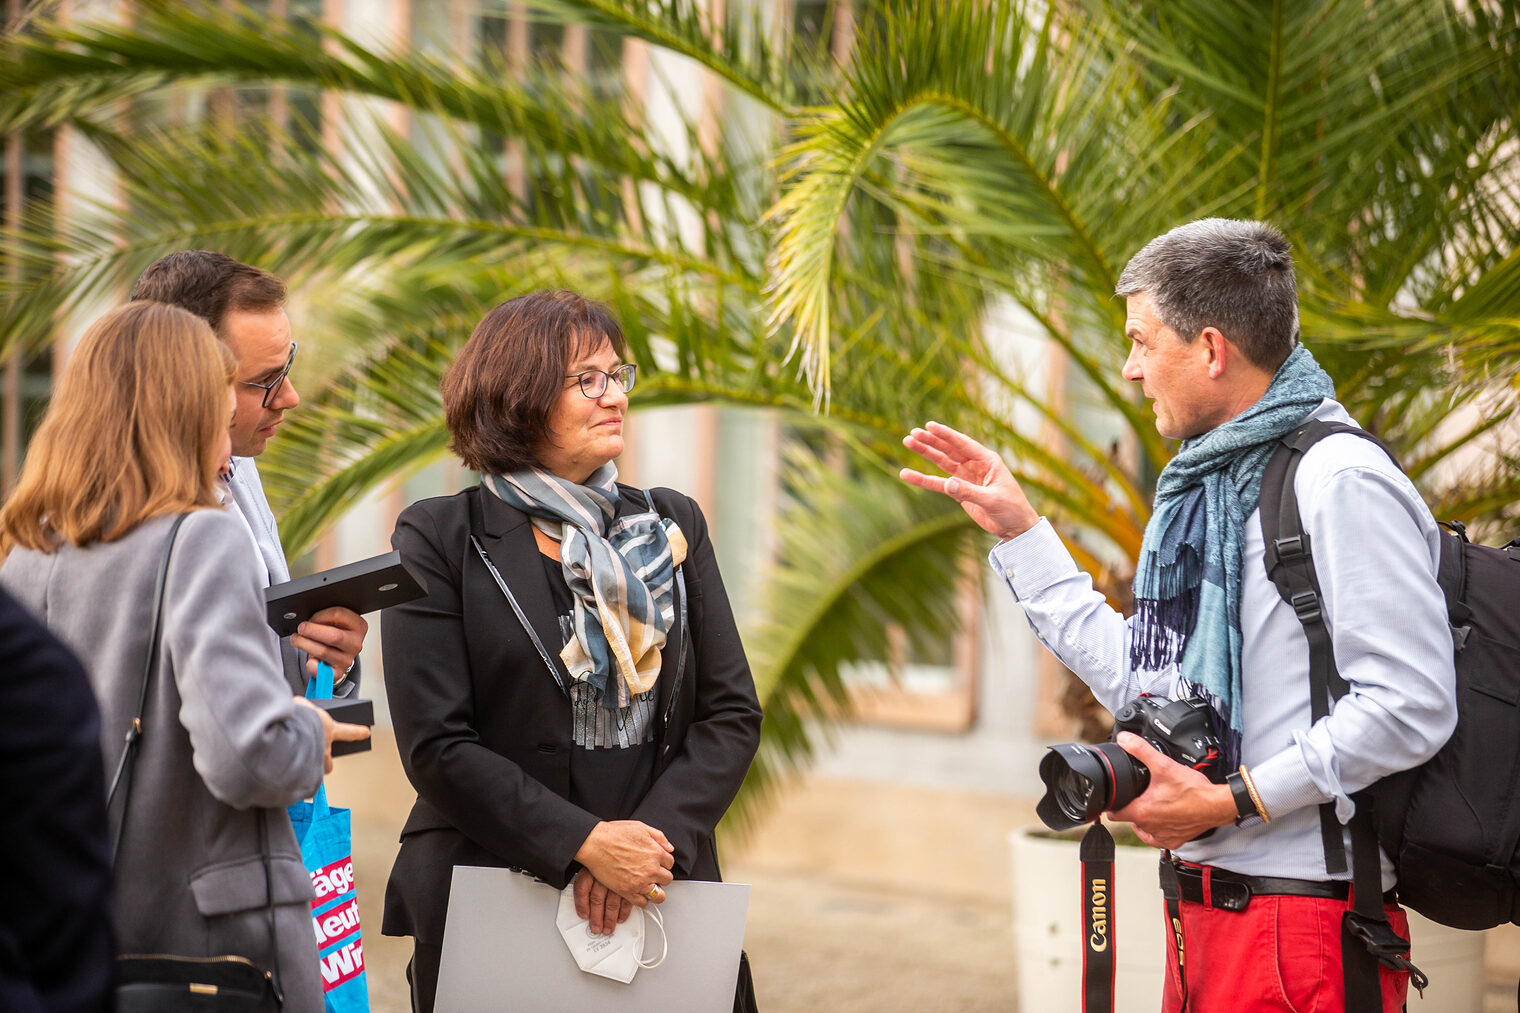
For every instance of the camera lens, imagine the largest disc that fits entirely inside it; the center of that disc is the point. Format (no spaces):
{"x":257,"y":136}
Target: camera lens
{"x":1083,"y":781}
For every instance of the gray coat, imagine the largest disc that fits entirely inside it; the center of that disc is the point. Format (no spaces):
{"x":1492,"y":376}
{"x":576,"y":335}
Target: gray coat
{"x":221,"y":736}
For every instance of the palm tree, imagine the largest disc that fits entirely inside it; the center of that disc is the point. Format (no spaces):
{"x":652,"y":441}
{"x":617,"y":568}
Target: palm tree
{"x":1026,"y":154}
{"x":966,"y":158}
{"x":396,"y":247}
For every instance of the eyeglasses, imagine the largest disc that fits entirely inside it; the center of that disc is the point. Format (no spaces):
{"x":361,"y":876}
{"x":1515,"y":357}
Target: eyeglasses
{"x":594,"y":381}
{"x":274,"y":385}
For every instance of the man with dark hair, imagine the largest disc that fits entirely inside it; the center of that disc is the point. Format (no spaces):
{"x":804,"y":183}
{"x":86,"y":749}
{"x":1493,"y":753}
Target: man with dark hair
{"x":1213,"y":330}
{"x":246,"y":308}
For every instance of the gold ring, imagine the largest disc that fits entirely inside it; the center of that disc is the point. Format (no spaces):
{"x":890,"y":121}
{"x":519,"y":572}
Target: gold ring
{"x":654,"y":892}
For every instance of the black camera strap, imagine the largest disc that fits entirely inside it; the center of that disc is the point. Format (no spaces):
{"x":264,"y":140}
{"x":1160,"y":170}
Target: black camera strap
{"x":1098,"y":919}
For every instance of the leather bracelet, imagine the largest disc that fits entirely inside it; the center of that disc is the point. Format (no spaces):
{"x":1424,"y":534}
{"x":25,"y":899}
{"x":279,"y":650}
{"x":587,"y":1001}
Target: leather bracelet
{"x":1261,"y":810}
{"x":1245,"y":806}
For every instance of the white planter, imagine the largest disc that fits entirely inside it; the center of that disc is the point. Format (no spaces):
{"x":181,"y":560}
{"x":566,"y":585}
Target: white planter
{"x":1454,"y":961}
{"x":1047,"y":932}
{"x":1047,"y":926}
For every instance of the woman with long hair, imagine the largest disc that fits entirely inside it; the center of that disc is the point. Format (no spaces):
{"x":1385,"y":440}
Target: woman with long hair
{"x":206,"y":863}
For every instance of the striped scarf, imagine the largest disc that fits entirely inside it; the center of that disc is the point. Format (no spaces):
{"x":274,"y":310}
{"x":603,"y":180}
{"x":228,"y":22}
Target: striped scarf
{"x":620,"y":571}
{"x":1187,"y":585}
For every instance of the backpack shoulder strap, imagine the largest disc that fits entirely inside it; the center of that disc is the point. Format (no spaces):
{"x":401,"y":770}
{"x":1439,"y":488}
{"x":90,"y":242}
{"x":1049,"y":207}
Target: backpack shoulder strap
{"x":1367,"y":937}
{"x":1281,"y":526}
{"x":1452,"y":578}
{"x":1291,"y":569}
{"x":1289,"y":564}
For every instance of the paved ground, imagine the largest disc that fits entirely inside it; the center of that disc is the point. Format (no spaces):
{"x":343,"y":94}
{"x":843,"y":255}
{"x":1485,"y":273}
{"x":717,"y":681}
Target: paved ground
{"x":866,"y":896}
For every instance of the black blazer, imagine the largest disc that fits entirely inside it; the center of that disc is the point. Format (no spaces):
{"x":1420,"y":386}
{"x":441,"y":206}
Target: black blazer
{"x":56,"y":948}
{"x":484,"y":730}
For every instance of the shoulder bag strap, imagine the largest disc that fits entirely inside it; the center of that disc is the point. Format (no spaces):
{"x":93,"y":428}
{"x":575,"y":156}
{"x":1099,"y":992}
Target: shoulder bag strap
{"x":122,"y":780}
{"x":477,"y":524}
{"x":522,"y":617}
{"x":274,"y":933}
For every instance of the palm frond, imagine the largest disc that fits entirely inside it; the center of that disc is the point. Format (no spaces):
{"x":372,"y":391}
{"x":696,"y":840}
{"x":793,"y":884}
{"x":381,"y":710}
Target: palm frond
{"x":738,"y":46}
{"x":860,"y":551}
{"x":379,"y":205}
{"x":959,"y":104}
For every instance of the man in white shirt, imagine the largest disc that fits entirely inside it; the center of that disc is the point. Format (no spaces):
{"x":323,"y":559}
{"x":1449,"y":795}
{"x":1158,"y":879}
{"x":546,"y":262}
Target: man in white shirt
{"x":246,"y":308}
{"x":1212,"y":321}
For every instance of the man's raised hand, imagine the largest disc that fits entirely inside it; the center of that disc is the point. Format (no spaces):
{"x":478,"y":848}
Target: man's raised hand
{"x":977,"y":479}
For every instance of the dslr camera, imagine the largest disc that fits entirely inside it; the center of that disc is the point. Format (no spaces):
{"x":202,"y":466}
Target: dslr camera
{"x":1084,"y":781}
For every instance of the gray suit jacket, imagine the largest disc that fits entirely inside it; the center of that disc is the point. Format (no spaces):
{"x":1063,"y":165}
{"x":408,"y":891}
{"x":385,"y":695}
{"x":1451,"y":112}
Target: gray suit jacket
{"x":248,"y":493}
{"x":221,"y":736}
{"x":248,"y":496}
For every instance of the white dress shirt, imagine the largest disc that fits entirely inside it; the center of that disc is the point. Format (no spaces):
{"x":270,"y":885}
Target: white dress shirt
{"x":1376,"y":550}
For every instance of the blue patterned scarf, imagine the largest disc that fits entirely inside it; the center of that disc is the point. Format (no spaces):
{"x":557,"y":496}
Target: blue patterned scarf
{"x":1187,"y":586}
{"x":620,"y":571}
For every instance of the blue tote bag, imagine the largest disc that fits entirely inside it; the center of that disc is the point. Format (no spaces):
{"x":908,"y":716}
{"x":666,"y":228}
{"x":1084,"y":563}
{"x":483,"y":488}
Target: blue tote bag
{"x":326,"y":840}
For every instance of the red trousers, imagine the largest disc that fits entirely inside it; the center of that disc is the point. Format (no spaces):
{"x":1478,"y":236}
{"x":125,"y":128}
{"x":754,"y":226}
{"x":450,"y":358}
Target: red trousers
{"x":1280,"y":955}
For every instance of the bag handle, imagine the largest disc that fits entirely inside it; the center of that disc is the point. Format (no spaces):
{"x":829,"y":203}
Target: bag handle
{"x":320,"y":687}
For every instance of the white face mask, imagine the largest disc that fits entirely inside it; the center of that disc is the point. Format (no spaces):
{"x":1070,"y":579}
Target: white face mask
{"x":618,"y":956}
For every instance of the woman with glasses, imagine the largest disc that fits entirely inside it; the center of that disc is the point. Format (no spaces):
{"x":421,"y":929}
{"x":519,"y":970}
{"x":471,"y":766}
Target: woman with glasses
{"x":571,"y":698}
{"x":205,"y":862}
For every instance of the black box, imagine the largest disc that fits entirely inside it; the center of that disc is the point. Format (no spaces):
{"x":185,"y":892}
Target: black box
{"x":353,"y":712}
{"x":366,"y":586}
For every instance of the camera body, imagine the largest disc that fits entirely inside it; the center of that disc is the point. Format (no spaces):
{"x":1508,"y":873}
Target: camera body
{"x":1178,"y":728}
{"x":1082,"y":782}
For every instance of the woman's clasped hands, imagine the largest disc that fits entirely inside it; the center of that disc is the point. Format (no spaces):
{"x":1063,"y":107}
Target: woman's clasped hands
{"x":624,"y":863}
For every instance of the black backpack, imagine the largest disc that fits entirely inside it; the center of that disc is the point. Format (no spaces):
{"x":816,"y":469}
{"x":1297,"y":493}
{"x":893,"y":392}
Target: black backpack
{"x":1451,"y":825}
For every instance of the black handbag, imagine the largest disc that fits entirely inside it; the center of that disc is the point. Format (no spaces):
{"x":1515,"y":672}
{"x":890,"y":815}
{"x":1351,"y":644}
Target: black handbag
{"x":151,"y":983}
{"x":166,"y":983}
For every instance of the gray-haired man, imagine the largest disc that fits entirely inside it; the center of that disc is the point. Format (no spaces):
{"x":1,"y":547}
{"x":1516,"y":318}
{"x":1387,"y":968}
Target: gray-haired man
{"x":246,"y":308}
{"x":1212,"y":322}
